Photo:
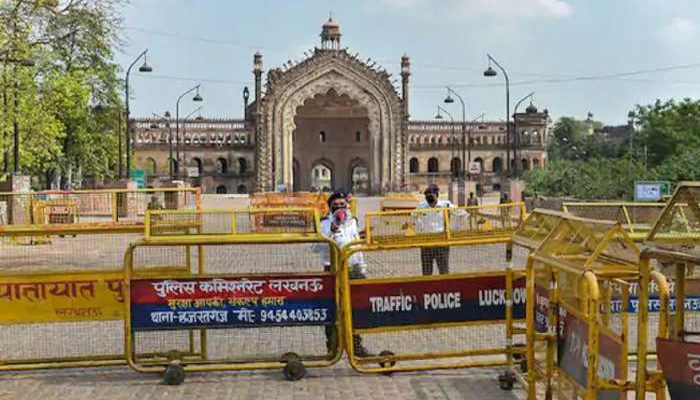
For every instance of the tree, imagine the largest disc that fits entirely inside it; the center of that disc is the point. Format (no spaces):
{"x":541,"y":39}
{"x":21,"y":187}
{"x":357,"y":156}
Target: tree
{"x":666,"y":129}
{"x":681,"y":167}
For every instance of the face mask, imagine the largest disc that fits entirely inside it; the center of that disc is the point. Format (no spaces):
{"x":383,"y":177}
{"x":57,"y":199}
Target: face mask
{"x":430,"y":198}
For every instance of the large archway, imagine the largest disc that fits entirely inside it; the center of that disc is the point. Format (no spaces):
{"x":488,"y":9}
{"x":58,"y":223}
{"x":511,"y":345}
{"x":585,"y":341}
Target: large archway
{"x":361,"y":97}
{"x":327,"y":127}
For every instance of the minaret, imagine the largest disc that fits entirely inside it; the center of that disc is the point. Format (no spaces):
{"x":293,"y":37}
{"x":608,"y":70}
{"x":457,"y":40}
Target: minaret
{"x":330,"y":35}
{"x":405,"y":74}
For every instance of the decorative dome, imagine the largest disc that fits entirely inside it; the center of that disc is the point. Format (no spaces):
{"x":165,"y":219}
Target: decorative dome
{"x":330,"y":35}
{"x":531,"y":109}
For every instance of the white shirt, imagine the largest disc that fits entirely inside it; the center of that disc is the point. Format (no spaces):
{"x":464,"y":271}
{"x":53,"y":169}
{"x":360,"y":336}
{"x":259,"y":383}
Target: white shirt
{"x":432,"y":221}
{"x":346,"y":233}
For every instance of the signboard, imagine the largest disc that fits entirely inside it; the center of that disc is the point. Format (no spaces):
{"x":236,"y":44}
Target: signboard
{"x":223,"y":302}
{"x":680,"y":363}
{"x":138,"y":176}
{"x":651,"y":190}
{"x":425,"y":301}
{"x":61,"y":297}
{"x":474,"y":167}
{"x":572,"y":349}
{"x":285,"y":220}
{"x":192,"y":172}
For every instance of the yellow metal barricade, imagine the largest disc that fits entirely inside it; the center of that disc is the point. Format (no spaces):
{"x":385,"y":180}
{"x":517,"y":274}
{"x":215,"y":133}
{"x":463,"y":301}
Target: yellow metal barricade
{"x":578,"y":314}
{"x":636,"y":218}
{"x":674,"y":251}
{"x":413,"y":226}
{"x":316,"y":200}
{"x":401,"y":316}
{"x":94,"y":206}
{"x":400,"y":201}
{"x":252,"y":301}
{"x":62,"y":305}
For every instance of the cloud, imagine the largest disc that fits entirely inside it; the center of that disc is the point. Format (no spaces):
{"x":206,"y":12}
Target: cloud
{"x":495,"y":9}
{"x":680,"y":32}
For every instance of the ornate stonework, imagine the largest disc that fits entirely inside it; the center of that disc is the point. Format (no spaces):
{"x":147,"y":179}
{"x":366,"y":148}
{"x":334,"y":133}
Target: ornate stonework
{"x":343,"y":73}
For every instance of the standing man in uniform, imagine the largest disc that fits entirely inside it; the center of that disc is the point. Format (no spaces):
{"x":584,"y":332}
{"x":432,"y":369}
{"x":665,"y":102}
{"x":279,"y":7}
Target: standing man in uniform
{"x":342,"y":228}
{"x":473,"y":214}
{"x":433,"y":222}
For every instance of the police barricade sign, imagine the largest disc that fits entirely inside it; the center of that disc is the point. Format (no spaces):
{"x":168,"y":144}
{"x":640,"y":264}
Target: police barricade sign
{"x":251,"y":302}
{"x":401,"y":317}
{"x":424,"y":301}
{"x":227,"y":302}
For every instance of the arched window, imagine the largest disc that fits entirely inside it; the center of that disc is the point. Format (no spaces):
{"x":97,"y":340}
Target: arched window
{"x":497,"y":164}
{"x":242,"y":165}
{"x":221,"y":189}
{"x":535,"y":137}
{"x":196,"y":162}
{"x":535,"y":163}
{"x":174,"y":166}
{"x":241,"y":189}
{"x":433,"y":165}
{"x":481,"y":163}
{"x":413,"y":165}
{"x":221,"y":165}
{"x":322,"y":137}
{"x":360,"y":179}
{"x":358,"y":136}
{"x":525,"y":164}
{"x":150,"y":166}
{"x":455,"y":166}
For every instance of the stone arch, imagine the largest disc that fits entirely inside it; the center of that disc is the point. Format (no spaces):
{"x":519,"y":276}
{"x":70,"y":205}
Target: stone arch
{"x":497,"y":165}
{"x":433,"y":165}
{"x":150,"y":166}
{"x":382,"y":104}
{"x":221,"y":165}
{"x":221,"y":189}
{"x":358,"y":181}
{"x":413,"y":165}
{"x":330,"y":165}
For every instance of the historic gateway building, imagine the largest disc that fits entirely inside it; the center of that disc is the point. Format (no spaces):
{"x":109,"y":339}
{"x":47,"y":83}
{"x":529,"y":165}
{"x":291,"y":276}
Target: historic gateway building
{"x":331,"y":121}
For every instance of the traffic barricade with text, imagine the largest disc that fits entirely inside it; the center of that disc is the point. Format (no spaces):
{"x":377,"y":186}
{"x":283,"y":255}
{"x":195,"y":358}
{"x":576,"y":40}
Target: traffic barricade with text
{"x":674,"y":251}
{"x":317,"y":200}
{"x":63,"y":305}
{"x":253,"y":302}
{"x":578,"y":314}
{"x":400,"y":317}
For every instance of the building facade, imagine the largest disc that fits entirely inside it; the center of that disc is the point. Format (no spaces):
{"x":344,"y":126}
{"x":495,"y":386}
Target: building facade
{"x":334,"y":121}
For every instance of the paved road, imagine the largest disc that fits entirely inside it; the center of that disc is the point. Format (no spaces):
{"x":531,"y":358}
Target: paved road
{"x":336,"y":383}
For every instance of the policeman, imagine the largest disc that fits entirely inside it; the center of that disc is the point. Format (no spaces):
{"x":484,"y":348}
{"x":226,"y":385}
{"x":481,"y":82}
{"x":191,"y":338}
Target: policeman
{"x":433,"y":222}
{"x":342,"y":228}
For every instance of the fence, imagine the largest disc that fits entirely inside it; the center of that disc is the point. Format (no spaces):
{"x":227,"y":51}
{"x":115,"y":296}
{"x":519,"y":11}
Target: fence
{"x":674,"y":241}
{"x":578,"y":314}
{"x":226,"y":222}
{"x":255,"y":301}
{"x":399,"y":317}
{"x":62,"y":286}
{"x":636,"y":218}
{"x":423,"y":225}
{"x":92,"y":206}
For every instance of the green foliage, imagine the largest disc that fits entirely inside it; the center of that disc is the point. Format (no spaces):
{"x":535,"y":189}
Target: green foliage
{"x":681,"y":167}
{"x":595,"y":179}
{"x":572,"y":139}
{"x":71,"y":45}
{"x":667,"y":128}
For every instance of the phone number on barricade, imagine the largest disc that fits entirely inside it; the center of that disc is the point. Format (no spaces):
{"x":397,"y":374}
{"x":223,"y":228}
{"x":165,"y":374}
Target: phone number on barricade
{"x":232,"y":302}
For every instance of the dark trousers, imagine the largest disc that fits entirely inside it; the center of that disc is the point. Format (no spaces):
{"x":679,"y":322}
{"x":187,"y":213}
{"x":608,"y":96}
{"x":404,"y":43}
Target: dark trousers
{"x":332,"y":332}
{"x":441,"y":255}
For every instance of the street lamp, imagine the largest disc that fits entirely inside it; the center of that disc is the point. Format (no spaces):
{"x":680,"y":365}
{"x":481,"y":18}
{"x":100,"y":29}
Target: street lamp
{"x":452,"y":138}
{"x":515,"y":112}
{"x":166,"y":117}
{"x":490,"y":72}
{"x":450,"y":100}
{"x":143,"y":68}
{"x":196,"y":97}
{"x":184,"y":131}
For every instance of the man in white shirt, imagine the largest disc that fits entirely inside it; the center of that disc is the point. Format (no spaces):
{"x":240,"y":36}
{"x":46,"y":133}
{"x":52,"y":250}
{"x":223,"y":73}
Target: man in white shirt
{"x":342,"y":228}
{"x":433,"y":222}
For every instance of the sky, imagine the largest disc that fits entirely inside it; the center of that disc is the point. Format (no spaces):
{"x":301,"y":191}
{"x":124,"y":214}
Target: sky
{"x":577,"y":56}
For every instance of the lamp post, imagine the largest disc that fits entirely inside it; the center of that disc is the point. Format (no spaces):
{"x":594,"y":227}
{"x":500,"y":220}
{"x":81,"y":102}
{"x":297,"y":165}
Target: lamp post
{"x":450,"y":100}
{"x":515,"y":112}
{"x":184,"y":132}
{"x":453,"y":175}
{"x":490,"y":72}
{"x":196,"y":97}
{"x":143,"y":68}
{"x":166,"y":117}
